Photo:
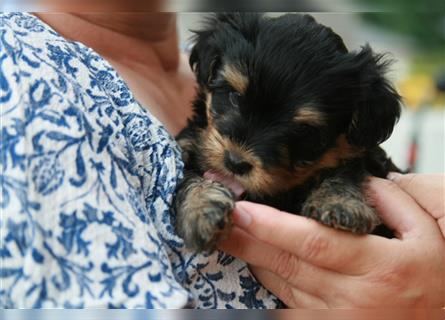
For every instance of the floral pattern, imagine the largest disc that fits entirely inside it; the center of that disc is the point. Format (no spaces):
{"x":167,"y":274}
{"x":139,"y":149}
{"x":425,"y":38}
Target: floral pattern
{"x":88,"y":177}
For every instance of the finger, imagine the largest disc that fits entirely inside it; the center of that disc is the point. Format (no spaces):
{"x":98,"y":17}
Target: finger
{"x":290,"y":296}
{"x":441,"y":223}
{"x":399,"y":211}
{"x":287,"y":266}
{"x":310,"y":241}
{"x":427,"y":189}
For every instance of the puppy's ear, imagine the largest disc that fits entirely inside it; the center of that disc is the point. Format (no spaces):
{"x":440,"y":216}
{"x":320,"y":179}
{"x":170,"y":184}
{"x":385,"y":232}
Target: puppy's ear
{"x":204,"y":62}
{"x":204,"y":57}
{"x":377,"y":107}
{"x":219,"y":32}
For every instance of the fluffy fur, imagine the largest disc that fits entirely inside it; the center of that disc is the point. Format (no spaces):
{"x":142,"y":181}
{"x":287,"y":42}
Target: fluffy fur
{"x":289,"y":113}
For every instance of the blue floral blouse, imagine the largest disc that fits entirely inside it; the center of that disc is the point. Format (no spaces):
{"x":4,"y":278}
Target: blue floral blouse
{"x":87,"y":179}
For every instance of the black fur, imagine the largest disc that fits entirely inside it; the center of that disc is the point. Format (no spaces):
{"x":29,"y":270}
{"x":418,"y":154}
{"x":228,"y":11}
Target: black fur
{"x":292,"y":62}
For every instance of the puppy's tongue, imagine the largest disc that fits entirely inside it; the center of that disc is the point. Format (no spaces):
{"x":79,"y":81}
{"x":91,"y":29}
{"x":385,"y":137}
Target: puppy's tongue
{"x":227,"y":181}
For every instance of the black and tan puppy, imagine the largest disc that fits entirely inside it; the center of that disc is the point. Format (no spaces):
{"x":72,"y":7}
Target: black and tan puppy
{"x":285,"y":116}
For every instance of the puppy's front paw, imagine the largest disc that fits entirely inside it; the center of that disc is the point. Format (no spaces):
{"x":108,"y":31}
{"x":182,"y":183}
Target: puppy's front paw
{"x":345,"y":214}
{"x":204,"y":214}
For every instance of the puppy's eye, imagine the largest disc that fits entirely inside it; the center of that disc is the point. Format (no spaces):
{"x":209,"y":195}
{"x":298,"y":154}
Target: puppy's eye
{"x":234,"y":98}
{"x":304,"y":163}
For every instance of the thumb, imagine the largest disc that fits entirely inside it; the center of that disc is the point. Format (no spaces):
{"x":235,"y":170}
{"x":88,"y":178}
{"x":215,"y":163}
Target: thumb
{"x":427,"y":189}
{"x":398,"y":210}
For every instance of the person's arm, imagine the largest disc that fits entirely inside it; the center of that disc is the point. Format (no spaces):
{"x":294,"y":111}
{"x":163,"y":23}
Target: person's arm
{"x":309,"y":265}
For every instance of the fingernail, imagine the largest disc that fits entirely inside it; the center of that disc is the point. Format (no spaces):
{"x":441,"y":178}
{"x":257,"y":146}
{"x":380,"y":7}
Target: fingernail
{"x":241,"y":217}
{"x":393,"y":176}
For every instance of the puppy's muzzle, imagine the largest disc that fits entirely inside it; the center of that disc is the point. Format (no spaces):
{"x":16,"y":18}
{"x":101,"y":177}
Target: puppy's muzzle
{"x":236,"y":163}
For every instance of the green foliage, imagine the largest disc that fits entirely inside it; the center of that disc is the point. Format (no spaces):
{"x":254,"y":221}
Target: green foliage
{"x":423,"y":21}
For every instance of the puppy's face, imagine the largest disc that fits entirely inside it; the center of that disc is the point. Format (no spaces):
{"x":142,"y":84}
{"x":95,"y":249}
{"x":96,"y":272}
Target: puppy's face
{"x":285,"y":99}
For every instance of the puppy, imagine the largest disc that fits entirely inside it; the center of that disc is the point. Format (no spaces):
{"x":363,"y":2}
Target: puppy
{"x":286,"y":116}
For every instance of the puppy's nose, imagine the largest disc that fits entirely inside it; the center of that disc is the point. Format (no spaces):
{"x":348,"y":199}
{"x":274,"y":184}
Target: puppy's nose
{"x":235,"y":163}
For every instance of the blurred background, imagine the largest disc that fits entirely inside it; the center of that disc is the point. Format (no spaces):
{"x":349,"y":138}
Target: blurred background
{"x":415,"y":38}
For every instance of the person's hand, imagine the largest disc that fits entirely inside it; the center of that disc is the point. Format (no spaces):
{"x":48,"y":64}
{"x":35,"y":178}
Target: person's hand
{"x":307,"y":264}
{"x":428,"y":190}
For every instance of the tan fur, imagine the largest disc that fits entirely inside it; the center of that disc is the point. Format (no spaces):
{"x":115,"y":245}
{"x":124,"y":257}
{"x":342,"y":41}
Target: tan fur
{"x":235,"y":78}
{"x":208,"y":107}
{"x":200,"y":222}
{"x":214,"y":147}
{"x":187,"y":146}
{"x":341,"y":151}
{"x":341,"y":206}
{"x":310,"y":116}
{"x":185,"y":143}
{"x":331,"y":159}
{"x":275,"y":180}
